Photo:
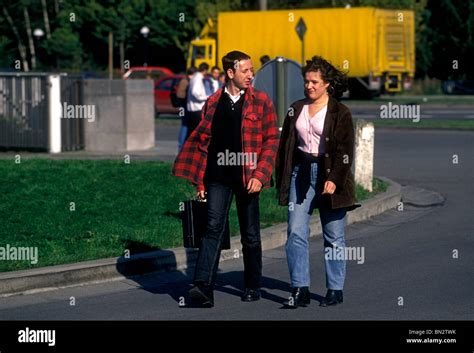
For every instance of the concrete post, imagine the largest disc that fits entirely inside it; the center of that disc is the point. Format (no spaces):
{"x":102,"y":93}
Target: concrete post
{"x":55,"y":113}
{"x":125,"y":115}
{"x":364,"y":154}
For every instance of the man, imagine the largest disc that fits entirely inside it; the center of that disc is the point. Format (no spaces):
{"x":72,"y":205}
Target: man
{"x":181,"y":95}
{"x":232,"y":151}
{"x":215,"y":72}
{"x":196,"y":97}
{"x":264,"y":59}
{"x":211,"y":82}
{"x":222,"y":79}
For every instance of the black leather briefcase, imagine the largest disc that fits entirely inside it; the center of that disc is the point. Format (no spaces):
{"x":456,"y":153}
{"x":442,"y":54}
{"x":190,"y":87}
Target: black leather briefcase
{"x":194,"y":220}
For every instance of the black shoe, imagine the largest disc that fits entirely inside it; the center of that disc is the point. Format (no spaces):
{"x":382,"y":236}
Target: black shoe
{"x":333,"y":297}
{"x":202,"y":294}
{"x":251,"y":295}
{"x":300,"y":296}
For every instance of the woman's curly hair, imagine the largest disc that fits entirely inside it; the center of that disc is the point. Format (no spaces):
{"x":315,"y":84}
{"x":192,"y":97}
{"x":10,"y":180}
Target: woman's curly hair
{"x":336,"y":78}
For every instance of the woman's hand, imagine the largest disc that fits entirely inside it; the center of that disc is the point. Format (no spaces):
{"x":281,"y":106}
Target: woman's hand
{"x":329,"y":187}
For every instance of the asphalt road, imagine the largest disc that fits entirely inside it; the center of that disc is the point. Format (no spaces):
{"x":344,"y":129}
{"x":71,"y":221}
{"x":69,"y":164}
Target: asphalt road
{"x":408,"y":258}
{"x":426,"y":111}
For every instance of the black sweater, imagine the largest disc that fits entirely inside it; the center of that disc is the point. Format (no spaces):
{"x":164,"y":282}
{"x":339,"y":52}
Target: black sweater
{"x":226,"y":141}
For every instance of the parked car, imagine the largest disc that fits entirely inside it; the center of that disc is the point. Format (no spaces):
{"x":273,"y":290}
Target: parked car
{"x":163,"y":88}
{"x":458,"y":87}
{"x":147,"y":72}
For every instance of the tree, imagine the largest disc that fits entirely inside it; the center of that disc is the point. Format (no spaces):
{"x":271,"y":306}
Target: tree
{"x":451,"y":39}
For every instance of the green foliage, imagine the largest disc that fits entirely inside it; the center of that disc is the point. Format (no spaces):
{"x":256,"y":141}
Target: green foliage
{"x":65,"y":45}
{"x":210,"y":9}
{"x":378,"y":186}
{"x":80,"y":29}
{"x":7,"y":58}
{"x":452,"y":39}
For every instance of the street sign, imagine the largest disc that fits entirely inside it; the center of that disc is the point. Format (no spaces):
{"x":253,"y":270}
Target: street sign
{"x":301,"y":28}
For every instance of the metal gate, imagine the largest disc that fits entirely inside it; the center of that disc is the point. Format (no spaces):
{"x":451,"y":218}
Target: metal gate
{"x":24,"y":111}
{"x":72,"y":130}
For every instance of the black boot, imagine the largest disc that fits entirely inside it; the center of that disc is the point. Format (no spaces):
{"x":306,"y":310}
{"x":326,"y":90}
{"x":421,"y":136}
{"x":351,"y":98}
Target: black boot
{"x":251,"y":295}
{"x":333,"y":297}
{"x":203,"y":295}
{"x":300,"y":296}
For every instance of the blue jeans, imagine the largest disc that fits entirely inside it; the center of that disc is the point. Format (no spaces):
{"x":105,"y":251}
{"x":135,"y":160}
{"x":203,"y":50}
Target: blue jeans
{"x":183,"y":131}
{"x":303,"y":198}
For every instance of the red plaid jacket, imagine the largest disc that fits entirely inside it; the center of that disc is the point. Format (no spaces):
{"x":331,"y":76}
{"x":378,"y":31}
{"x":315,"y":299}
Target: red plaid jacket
{"x":259,"y":135}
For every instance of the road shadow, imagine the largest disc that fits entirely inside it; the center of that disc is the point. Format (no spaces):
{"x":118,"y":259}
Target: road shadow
{"x":164,"y":278}
{"x":156,"y":270}
{"x":176,"y":284}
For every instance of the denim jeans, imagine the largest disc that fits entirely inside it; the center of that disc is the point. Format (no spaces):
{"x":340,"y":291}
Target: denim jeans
{"x":219,"y":199}
{"x":303,"y":199}
{"x":183,"y":131}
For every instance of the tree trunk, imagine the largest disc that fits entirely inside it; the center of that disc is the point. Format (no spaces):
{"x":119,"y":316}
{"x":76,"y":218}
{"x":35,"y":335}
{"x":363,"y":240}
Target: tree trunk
{"x":46,"y":19}
{"x":122,"y":58}
{"x":21,"y":47}
{"x":30,"y":38}
{"x":111,"y":56}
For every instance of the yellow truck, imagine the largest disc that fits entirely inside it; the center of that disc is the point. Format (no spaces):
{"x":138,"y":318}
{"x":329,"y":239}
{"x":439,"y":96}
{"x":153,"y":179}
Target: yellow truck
{"x":375,"y":46}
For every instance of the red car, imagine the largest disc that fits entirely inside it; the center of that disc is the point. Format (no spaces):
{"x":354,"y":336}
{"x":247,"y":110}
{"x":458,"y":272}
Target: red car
{"x":147,"y":72}
{"x":163,"y":88}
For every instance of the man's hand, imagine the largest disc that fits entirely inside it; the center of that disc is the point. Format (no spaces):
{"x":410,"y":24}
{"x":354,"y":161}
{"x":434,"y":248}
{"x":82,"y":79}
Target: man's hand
{"x":201,"y":194}
{"x":329,"y":187}
{"x":254,"y":185}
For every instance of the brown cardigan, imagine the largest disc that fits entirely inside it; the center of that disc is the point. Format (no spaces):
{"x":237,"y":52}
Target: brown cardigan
{"x":339,"y":134}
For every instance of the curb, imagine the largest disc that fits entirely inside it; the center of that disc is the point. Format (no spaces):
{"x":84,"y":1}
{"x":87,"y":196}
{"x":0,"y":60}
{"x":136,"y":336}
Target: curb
{"x":119,"y":268}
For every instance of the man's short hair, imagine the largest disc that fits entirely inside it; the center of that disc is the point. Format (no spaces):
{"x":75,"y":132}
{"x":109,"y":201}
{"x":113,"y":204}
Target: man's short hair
{"x":264,"y":59}
{"x":230,"y":59}
{"x":191,"y":71}
{"x":203,"y":67}
{"x":215,"y":68}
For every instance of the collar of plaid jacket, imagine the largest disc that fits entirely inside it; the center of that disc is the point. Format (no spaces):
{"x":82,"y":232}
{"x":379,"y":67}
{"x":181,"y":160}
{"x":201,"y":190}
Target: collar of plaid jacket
{"x":210,"y":109}
{"x":249,"y":96}
{"x":258,"y":117}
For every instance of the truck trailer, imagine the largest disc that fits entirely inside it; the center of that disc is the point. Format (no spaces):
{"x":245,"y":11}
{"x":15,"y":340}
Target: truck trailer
{"x":376,"y":47}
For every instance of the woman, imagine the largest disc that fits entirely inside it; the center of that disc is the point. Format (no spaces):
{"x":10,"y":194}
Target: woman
{"x":313,"y":170}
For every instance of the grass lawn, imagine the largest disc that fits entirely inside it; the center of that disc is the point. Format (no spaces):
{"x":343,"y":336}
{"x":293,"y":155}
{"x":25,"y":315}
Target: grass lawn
{"x":77,"y":210}
{"x":420,"y":99}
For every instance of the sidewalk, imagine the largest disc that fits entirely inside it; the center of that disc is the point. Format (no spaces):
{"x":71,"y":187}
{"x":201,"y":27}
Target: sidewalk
{"x":164,"y":151}
{"x":54,"y":277}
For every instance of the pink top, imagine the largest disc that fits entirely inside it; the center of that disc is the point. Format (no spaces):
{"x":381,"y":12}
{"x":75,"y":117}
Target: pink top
{"x":310,"y":131}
